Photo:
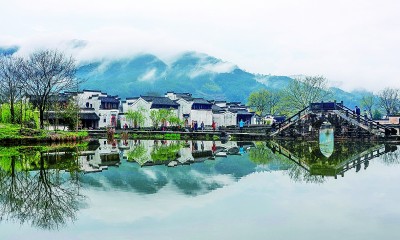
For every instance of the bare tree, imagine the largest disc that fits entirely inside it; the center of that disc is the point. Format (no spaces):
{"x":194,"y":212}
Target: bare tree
{"x":389,"y":99}
{"x":12,"y":81}
{"x":51,"y":72}
{"x":368,"y":102}
{"x":303,"y":91}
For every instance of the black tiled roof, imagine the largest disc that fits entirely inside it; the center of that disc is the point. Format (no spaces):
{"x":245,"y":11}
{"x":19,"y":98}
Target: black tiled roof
{"x":88,"y":116}
{"x":216,"y":109}
{"x":109,"y":99}
{"x":201,"y":101}
{"x":160,"y":102}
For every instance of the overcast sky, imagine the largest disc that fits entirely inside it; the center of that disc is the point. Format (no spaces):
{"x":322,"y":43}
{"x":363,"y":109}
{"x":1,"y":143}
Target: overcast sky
{"x":355,"y":44}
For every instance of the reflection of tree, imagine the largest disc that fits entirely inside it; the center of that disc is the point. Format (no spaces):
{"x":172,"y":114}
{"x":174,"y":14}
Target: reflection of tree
{"x":138,"y":154}
{"x":260,"y":154}
{"x":46,"y":198}
{"x":165,"y":152}
{"x":392,"y":155}
{"x":295,"y":171}
{"x":299,"y":174}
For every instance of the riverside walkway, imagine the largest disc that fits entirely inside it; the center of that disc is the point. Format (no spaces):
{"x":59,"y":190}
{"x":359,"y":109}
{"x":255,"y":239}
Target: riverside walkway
{"x":304,"y":124}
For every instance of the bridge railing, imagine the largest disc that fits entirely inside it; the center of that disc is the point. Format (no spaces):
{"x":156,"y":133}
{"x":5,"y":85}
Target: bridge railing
{"x":292,"y":118}
{"x":363,"y":119}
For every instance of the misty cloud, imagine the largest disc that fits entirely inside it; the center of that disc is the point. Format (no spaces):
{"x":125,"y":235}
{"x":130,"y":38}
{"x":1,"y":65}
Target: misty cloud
{"x":351,"y":43}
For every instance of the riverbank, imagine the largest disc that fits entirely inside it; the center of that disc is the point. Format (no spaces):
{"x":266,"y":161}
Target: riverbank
{"x":11,"y":134}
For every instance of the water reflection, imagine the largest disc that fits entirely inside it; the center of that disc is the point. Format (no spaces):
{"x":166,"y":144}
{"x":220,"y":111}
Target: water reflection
{"x":34,"y":188}
{"x":42,"y":186}
{"x":326,"y":139}
{"x":191,"y":167}
{"x":313,"y":165}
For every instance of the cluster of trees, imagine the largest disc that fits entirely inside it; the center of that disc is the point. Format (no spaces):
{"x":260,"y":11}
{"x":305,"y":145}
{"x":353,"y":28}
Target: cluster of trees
{"x":38,"y":77}
{"x":157,"y":117}
{"x":295,"y":97}
{"x":303,"y":91}
{"x":46,"y":198}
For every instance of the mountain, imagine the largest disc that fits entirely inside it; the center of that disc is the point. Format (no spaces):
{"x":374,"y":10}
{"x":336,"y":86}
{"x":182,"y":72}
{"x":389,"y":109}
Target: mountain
{"x":200,"y":74}
{"x":4,"y":51}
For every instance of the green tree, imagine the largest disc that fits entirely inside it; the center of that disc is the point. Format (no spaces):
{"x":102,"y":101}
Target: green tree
{"x":70,"y":114}
{"x":377,"y":115}
{"x":303,"y":91}
{"x":155,"y":118}
{"x":367,"y":102}
{"x":263,"y":102}
{"x":12,"y":81}
{"x":136,"y":117}
{"x":165,"y":115}
{"x":175,"y":121}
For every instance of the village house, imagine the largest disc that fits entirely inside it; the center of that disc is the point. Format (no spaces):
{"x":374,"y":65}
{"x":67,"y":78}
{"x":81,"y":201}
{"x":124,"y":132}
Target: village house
{"x":96,"y":103}
{"x":192,"y":109}
{"x":146,"y":104}
{"x":100,"y":110}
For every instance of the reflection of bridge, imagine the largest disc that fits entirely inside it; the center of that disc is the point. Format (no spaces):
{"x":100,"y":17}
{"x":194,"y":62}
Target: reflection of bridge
{"x":326,"y":168}
{"x":346,"y":122}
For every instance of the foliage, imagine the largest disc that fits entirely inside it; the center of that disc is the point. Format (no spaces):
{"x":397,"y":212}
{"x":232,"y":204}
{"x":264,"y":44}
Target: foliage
{"x":175,"y":121}
{"x":367,"y":102}
{"x":30,"y":116}
{"x":138,"y":154}
{"x":47,"y":198}
{"x":70,"y":115}
{"x":155,"y":118}
{"x":260,"y":154}
{"x":377,"y":115}
{"x":263,"y":102}
{"x":165,"y":152}
{"x":172,"y":136}
{"x":162,"y":116}
{"x":303,"y":91}
{"x":12,"y":81}
{"x":137,"y":117}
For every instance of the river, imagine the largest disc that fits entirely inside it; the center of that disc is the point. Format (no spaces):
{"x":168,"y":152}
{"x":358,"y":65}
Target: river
{"x":156,"y":189}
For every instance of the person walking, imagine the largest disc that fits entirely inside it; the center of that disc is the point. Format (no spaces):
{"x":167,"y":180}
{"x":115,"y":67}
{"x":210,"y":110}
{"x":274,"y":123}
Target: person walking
{"x":358,"y":112}
{"x":202,"y":126}
{"x":241,"y":124}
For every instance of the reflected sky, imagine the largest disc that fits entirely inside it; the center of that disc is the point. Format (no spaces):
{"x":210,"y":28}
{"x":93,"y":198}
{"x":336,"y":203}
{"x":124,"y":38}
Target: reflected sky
{"x":232,"y":197}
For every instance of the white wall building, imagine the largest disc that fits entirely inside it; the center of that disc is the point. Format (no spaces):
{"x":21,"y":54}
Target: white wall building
{"x":106,"y":107}
{"x":191,"y":109}
{"x":146,"y":104}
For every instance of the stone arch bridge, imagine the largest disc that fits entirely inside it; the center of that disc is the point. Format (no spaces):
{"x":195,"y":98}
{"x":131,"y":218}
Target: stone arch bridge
{"x":346,"y":123}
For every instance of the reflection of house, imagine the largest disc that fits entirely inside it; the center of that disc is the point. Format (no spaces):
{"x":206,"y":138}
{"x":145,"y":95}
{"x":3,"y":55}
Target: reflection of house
{"x":104,"y":156}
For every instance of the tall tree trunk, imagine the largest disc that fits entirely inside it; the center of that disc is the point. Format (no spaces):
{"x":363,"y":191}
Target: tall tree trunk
{"x":12,"y":111}
{"x":41,"y":117}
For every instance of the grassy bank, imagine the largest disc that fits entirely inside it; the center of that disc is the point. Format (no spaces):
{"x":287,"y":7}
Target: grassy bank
{"x":11,"y":133}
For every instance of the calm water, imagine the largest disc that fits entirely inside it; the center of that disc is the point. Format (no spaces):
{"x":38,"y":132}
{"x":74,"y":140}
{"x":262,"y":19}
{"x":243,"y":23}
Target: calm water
{"x":200,"y":190}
